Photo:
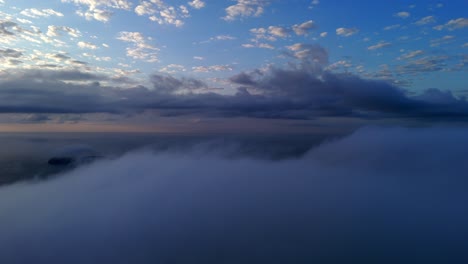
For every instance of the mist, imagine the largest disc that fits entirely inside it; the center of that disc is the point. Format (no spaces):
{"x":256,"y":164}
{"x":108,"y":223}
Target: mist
{"x":381,"y":194}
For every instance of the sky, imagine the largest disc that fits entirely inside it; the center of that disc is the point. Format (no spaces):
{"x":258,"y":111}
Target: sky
{"x":230,"y":65}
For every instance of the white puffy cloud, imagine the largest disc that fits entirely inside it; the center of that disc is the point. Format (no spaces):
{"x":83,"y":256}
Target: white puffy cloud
{"x":304,"y":28}
{"x":346,"y":32}
{"x":35,"y":13}
{"x":162,"y":13}
{"x":54,"y":31}
{"x":96,"y":14}
{"x":145,"y":8}
{"x":140,"y":49}
{"x":197,"y":4}
{"x":98,"y":9}
{"x":86,"y":45}
{"x":278,"y":31}
{"x":323,"y":34}
{"x":245,"y":8}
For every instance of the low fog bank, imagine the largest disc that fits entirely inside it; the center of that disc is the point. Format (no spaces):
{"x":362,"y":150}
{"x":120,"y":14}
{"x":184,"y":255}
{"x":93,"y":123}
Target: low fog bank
{"x":25,"y":156}
{"x":384,"y":195}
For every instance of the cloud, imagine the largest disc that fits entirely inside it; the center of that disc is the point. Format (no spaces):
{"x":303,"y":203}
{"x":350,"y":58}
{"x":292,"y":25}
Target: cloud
{"x":379,"y":190}
{"x":163,"y":13}
{"x":5,"y":28}
{"x":10,"y":53}
{"x":411,"y":55}
{"x":145,"y":8}
{"x":87,"y":45}
{"x":443,"y":40}
{"x":403,"y":14}
{"x":392,"y":27}
{"x":259,"y":45}
{"x":55,"y":31}
{"x":304,"y":28}
{"x":323,"y":34}
{"x":96,"y":14}
{"x":96,"y":9}
{"x":453,"y":24}
{"x":212,"y":68}
{"x":245,"y":8}
{"x":306,"y":88}
{"x":36,"y":13}
{"x":379,"y":45}
{"x":426,"y":20}
{"x":278,"y":31}
{"x":140,"y":50}
{"x":197,"y":4}
{"x":346,"y":32}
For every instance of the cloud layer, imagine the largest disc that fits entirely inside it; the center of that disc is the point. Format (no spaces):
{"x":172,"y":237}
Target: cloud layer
{"x":381,"y":194}
{"x":305,"y":89}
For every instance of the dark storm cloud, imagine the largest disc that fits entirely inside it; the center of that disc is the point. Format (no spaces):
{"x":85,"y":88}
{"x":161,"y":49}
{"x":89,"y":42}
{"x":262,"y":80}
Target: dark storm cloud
{"x":379,"y":195}
{"x":303,"y":90}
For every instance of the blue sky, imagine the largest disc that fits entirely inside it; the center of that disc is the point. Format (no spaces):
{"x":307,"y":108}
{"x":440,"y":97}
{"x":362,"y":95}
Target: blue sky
{"x":412,"y":45}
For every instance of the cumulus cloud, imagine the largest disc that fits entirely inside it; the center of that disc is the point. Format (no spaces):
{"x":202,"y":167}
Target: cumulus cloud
{"x":371,"y":195}
{"x":245,"y":8}
{"x":162,"y":13}
{"x":140,"y":49}
{"x":98,"y":9}
{"x":86,"y":45}
{"x":197,"y":4}
{"x":346,"y":32}
{"x":304,"y":28}
{"x":54,"y":31}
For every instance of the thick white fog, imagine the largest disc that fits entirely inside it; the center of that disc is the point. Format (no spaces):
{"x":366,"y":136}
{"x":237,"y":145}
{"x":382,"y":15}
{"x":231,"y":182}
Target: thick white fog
{"x":381,"y":194}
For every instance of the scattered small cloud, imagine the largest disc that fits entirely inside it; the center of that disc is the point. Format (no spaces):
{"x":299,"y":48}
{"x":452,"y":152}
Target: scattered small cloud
{"x":87,"y":45}
{"x":346,"y":32}
{"x":411,"y":55}
{"x":304,"y":28}
{"x":403,"y":14}
{"x":425,"y":20}
{"x":453,"y":24}
{"x":36,"y":13}
{"x":392,"y":27}
{"x":379,"y":45}
{"x":197,"y":4}
{"x":212,"y":68}
{"x":245,"y":8}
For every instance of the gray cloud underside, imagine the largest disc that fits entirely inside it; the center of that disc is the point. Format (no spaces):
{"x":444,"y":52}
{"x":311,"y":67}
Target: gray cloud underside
{"x":302,"y":91}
